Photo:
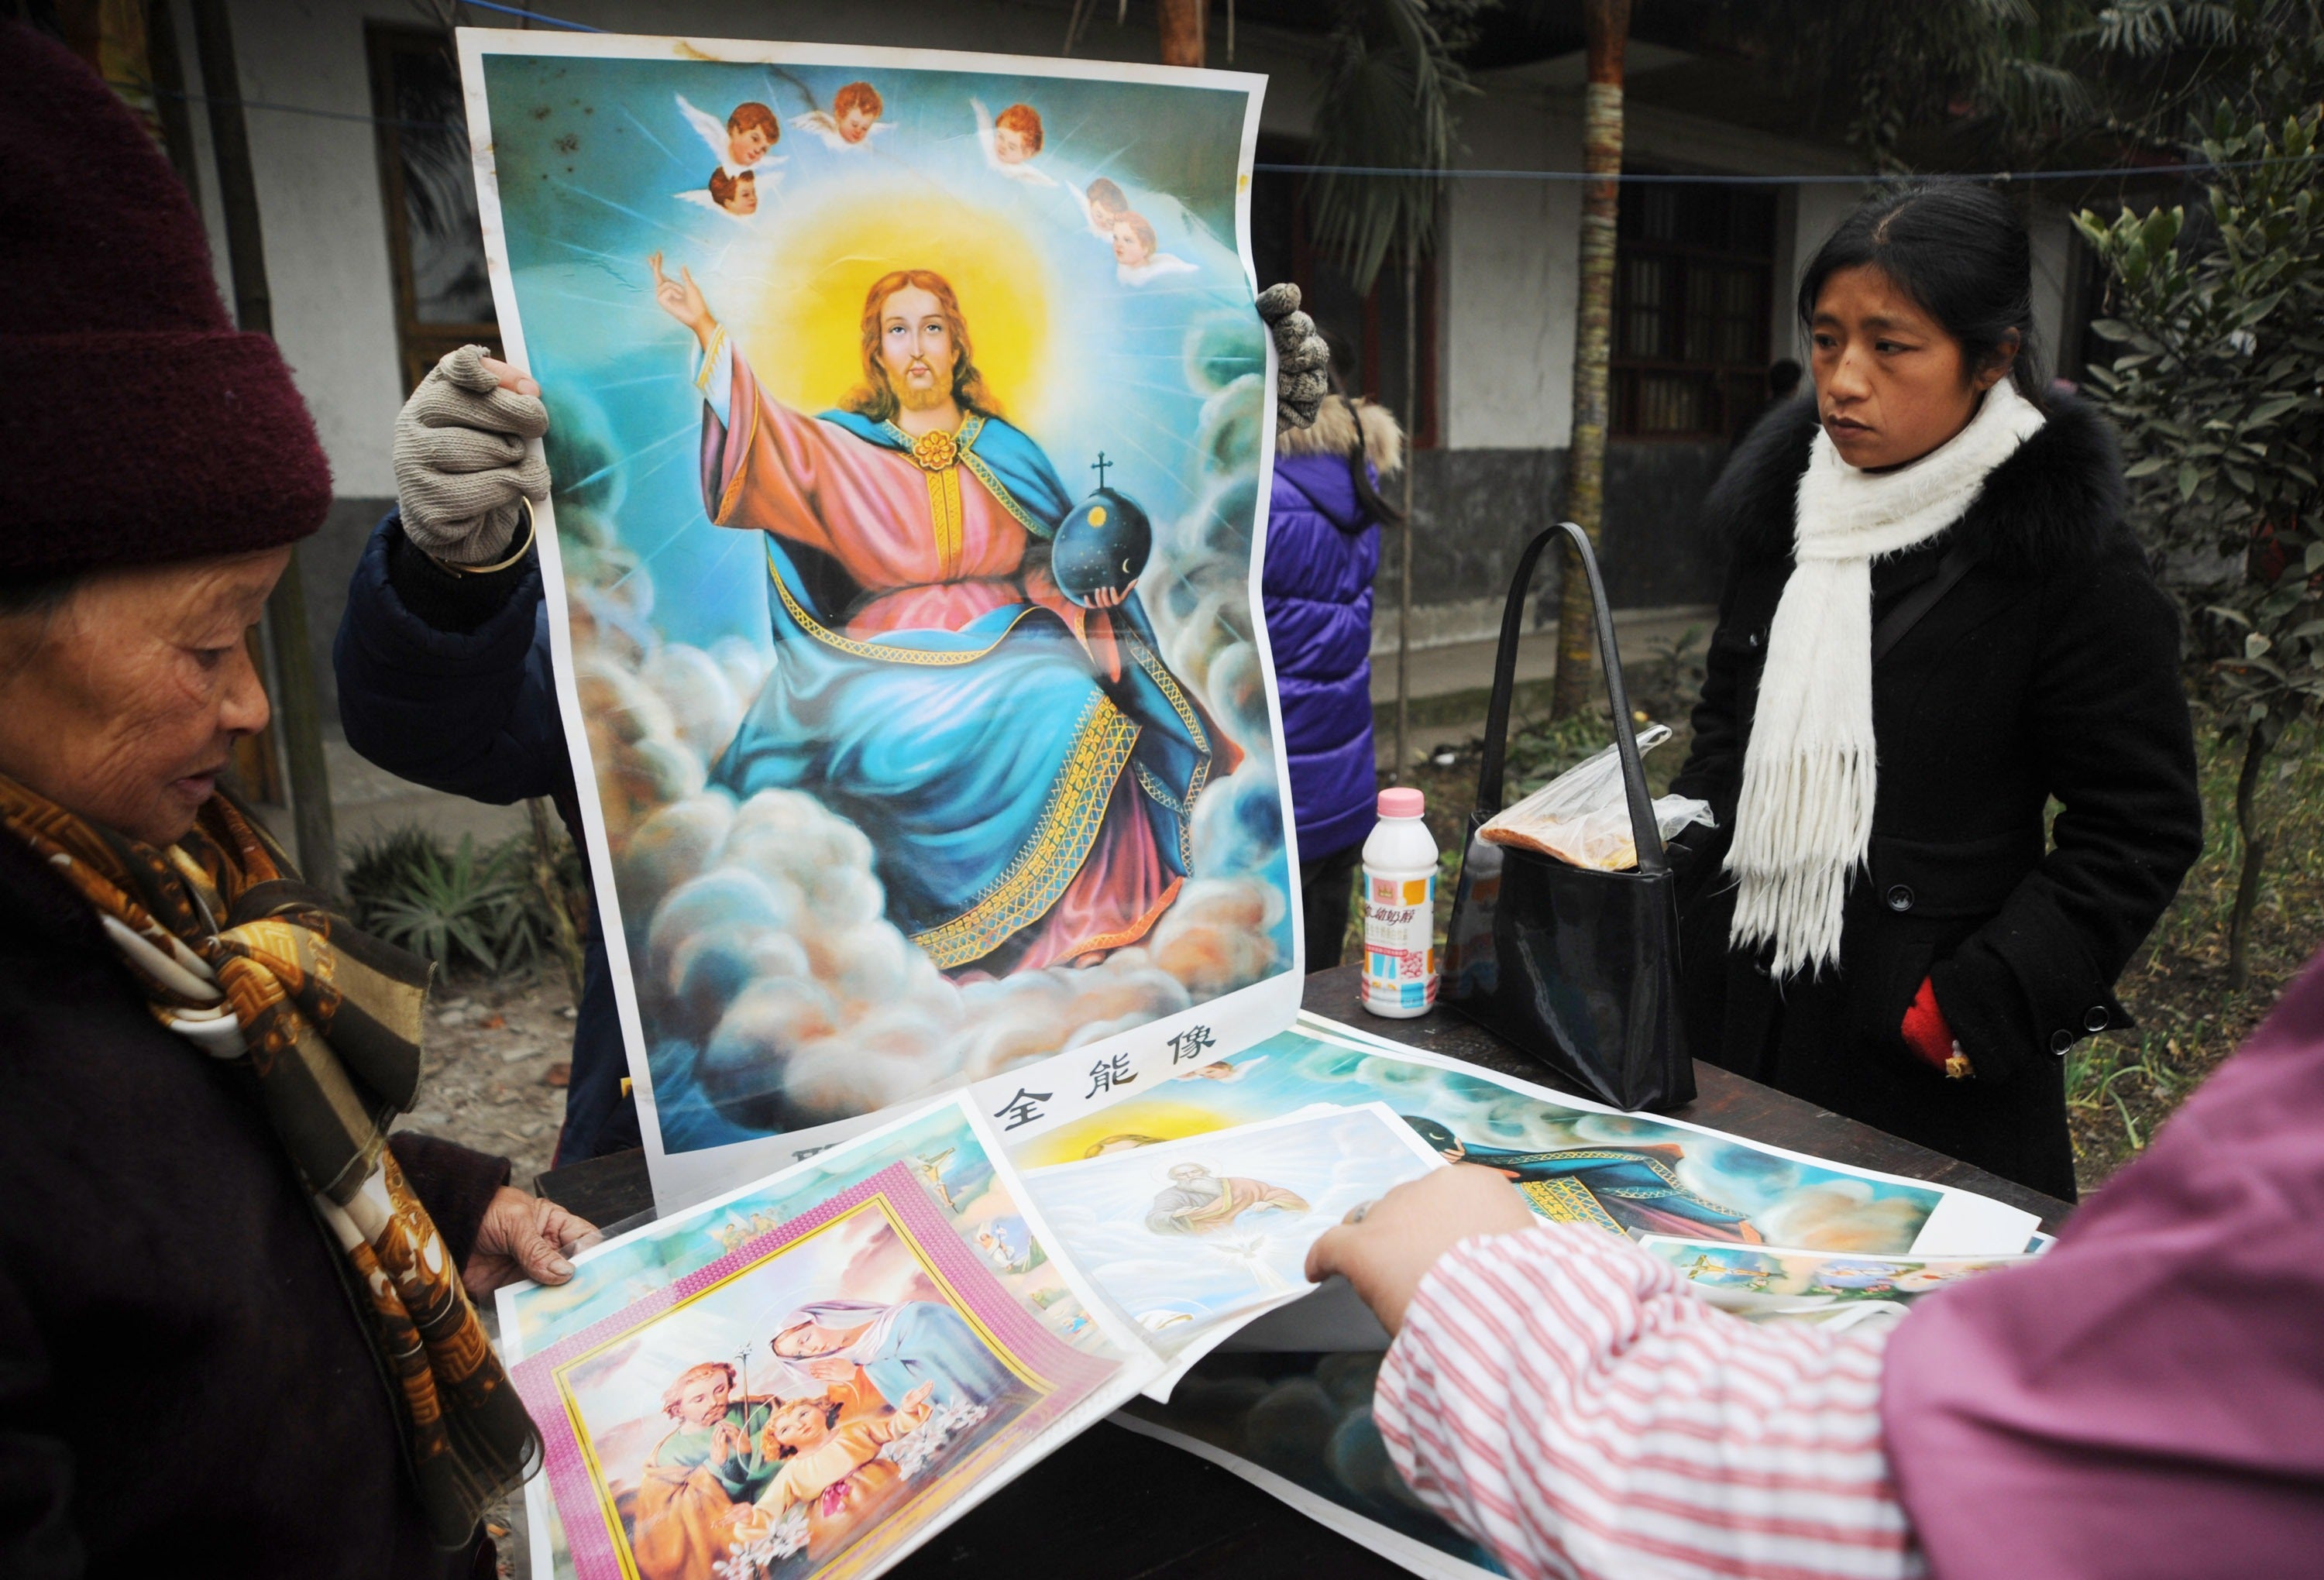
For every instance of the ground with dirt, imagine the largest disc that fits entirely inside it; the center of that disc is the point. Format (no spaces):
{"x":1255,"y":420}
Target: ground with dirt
{"x":497,"y":1057}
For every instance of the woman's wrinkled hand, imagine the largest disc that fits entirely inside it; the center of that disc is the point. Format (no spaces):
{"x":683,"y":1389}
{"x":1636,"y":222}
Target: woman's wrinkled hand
{"x":522,"y":1236}
{"x":1386,"y":1247}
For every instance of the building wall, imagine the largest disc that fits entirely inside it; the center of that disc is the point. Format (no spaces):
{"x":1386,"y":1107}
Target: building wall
{"x":1510,"y":285}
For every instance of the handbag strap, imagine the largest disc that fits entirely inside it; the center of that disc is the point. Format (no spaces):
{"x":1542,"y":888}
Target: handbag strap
{"x":1644,"y":831}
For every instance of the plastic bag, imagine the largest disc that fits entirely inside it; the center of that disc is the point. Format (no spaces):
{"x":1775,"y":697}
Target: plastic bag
{"x":1581,"y":817}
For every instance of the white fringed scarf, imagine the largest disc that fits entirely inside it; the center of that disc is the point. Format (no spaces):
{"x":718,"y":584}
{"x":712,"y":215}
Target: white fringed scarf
{"x":1804,"y":821}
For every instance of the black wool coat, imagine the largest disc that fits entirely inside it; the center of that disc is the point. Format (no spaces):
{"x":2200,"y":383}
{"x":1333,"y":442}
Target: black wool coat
{"x":2050,"y":670}
{"x":184,"y":1386}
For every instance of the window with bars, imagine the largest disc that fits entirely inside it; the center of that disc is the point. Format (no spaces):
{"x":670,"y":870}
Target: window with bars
{"x":1693,"y":273}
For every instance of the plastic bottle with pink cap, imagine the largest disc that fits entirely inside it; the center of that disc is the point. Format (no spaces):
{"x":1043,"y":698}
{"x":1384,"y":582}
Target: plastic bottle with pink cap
{"x":1400,"y":908}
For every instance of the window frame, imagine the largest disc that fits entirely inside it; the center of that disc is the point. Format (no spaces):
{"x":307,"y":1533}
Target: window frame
{"x":419,"y":346}
{"x":1693,"y":262}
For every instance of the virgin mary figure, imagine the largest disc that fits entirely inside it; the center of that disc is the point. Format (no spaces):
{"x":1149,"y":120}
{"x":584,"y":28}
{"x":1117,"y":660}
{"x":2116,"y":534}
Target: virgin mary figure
{"x":1025,"y":766}
{"x":860,"y":1348}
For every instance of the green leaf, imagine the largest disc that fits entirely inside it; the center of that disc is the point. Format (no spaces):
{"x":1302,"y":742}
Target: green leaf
{"x":2255,"y":644}
{"x":2190,"y":479}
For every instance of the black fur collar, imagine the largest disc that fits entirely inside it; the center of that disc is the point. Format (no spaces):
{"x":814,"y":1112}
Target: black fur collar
{"x":2060,"y":500}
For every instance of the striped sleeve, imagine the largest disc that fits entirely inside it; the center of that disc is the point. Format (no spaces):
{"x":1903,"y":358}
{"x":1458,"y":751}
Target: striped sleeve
{"x":1567,"y":1401}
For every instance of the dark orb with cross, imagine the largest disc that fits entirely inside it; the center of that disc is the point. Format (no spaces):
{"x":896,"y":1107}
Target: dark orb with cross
{"x":1101,"y":548}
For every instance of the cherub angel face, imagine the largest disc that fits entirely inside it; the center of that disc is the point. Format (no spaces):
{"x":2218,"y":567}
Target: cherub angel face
{"x":749,"y":145}
{"x":1008,"y":145}
{"x":1130,"y":248}
{"x":745,"y":199}
{"x":856,"y":124}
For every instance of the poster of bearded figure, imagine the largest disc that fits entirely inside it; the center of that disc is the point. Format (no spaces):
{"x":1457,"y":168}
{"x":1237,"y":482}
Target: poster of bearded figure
{"x":903,"y":552}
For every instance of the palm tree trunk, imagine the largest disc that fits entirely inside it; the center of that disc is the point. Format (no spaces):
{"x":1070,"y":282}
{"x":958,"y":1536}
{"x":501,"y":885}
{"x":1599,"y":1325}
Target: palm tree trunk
{"x":1403,"y":533}
{"x":1180,"y":23}
{"x":1608,"y":25}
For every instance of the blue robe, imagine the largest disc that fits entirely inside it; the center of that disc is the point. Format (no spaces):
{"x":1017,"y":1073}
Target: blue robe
{"x":926,"y":1342}
{"x":980,"y":761}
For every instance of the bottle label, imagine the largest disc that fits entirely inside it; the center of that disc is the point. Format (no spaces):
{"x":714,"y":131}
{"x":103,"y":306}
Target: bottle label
{"x":1399,"y":941}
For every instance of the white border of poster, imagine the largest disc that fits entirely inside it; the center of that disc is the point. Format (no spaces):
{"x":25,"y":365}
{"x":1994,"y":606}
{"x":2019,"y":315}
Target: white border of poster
{"x":1229,"y":1022}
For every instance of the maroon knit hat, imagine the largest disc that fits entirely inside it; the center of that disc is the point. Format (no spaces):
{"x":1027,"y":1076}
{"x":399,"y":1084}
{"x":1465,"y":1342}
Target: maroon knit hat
{"x":135,"y":422}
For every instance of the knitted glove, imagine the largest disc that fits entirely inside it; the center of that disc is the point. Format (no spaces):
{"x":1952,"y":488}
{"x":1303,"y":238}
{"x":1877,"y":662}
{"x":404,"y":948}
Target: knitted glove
{"x":463,"y":459}
{"x":1301,"y":356}
{"x":1930,"y":1038}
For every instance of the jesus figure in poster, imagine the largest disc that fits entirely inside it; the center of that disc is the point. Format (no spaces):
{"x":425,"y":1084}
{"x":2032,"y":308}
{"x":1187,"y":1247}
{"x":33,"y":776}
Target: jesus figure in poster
{"x":1025,"y":759}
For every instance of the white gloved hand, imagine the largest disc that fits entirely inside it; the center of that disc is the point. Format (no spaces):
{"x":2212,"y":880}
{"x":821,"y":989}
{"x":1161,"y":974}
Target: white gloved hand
{"x":1302,"y":358}
{"x":464,"y":458}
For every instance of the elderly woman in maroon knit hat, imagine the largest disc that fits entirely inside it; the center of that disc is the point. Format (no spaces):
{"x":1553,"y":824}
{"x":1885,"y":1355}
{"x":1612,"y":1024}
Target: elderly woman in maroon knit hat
{"x":235,"y":1324}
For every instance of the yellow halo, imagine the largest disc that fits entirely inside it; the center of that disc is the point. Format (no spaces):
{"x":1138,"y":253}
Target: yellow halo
{"x":806,"y":344}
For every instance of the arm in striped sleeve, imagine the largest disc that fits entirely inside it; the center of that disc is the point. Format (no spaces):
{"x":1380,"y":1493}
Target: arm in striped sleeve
{"x":1567,"y":1401}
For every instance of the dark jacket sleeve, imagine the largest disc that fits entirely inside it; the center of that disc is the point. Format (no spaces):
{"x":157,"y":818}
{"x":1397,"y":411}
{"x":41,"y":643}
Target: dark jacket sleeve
{"x":2108,"y":720}
{"x":454,"y":1184}
{"x":448,"y":695}
{"x":37,"y":1538}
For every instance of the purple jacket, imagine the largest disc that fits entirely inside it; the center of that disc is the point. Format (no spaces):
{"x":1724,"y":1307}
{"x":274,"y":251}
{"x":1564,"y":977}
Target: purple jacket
{"x":2147,"y":1400}
{"x":1323,"y":549}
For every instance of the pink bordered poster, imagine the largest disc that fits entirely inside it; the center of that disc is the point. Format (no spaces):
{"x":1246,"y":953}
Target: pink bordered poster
{"x":818,"y":1402}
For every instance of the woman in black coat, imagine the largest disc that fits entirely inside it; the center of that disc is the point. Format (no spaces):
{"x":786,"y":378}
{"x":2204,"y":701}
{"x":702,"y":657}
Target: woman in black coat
{"x":1935,"y":620}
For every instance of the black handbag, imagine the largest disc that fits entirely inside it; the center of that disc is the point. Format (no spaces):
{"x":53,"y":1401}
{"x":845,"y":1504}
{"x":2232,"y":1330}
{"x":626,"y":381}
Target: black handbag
{"x":1575,"y":966}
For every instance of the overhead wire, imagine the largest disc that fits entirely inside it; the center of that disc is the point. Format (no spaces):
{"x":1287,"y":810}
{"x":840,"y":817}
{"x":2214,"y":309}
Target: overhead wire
{"x":1626,"y":178}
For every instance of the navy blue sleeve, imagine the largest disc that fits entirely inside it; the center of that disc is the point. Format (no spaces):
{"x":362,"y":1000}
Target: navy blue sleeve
{"x":470,"y":711}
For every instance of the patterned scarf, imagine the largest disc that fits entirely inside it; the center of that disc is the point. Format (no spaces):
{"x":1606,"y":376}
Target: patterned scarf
{"x":242,"y":959}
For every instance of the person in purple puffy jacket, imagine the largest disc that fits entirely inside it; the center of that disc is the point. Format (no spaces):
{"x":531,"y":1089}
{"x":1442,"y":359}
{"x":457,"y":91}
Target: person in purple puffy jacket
{"x":1322,"y":548}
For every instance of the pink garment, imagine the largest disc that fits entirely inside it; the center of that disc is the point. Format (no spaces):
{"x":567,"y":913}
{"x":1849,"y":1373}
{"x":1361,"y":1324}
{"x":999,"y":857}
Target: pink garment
{"x":1568,"y":1402}
{"x":816,"y":483}
{"x":1095,"y":914}
{"x":2148,"y":1399}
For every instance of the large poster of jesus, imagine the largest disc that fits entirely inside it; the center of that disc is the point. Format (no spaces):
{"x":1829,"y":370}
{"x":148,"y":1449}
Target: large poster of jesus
{"x":908,"y":438}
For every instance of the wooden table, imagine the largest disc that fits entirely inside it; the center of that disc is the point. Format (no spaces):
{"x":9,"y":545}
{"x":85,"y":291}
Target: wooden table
{"x":1111,"y":1505}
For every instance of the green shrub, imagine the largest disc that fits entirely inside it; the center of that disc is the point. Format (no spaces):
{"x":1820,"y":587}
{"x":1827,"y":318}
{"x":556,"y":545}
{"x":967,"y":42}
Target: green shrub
{"x":479,"y":906}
